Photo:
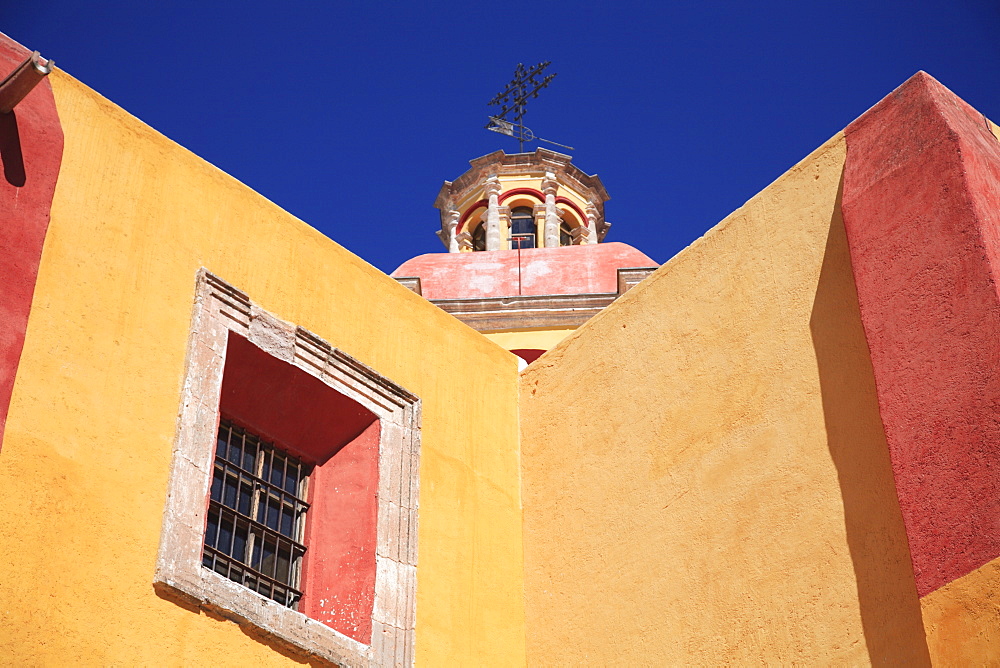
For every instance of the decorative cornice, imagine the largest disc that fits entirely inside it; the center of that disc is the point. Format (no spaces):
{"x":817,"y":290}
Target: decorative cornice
{"x":537,"y":163}
{"x":497,"y":313}
{"x":517,"y":312}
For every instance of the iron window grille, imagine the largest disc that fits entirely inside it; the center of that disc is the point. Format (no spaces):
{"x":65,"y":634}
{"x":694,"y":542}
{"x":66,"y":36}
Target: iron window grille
{"x":256,"y":515}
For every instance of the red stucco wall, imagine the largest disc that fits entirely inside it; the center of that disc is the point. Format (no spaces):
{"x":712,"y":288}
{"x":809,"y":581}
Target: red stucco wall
{"x":339,"y":579}
{"x":282,"y":403}
{"x":920,"y":193}
{"x":31,"y":144}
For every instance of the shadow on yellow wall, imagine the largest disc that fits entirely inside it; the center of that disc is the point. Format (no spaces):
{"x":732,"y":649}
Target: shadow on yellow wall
{"x":887,"y":595}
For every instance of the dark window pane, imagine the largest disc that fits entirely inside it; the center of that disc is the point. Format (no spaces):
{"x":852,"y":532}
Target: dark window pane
{"x":250,"y":457}
{"x":225,"y":536}
{"x":267,"y":560}
{"x":292,"y":479}
{"x":246,"y":497}
{"x":217,"y":484}
{"x":522,"y":241}
{"x":240,"y":542}
{"x":262,"y":507}
{"x":236,"y":451}
{"x":522,"y":221}
{"x":284,"y":564}
{"x":288,"y":521}
{"x":212,"y":532}
{"x":272,"y":513}
{"x":255,"y":560}
{"x":229,"y":493}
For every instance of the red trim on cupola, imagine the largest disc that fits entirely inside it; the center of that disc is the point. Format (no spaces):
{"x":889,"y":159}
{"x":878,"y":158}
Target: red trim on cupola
{"x":468,"y":212}
{"x":531,"y":192}
{"x":572,"y":205}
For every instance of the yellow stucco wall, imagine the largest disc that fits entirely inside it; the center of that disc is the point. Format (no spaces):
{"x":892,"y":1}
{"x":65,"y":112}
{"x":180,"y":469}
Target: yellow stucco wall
{"x":88,"y":440}
{"x":706,"y":479}
{"x":535,"y":339}
{"x":963,"y":619}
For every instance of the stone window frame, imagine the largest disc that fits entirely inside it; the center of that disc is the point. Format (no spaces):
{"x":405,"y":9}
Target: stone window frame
{"x":219,"y":309}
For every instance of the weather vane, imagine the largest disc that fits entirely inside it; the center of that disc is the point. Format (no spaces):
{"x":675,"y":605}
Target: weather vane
{"x":514,"y":98}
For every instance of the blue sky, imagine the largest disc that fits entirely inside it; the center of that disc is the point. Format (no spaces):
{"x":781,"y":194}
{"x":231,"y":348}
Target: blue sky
{"x":351,"y":115}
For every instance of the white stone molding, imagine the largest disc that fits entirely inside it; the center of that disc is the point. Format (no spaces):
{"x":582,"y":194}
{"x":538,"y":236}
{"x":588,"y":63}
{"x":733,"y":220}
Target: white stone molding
{"x":493,"y":214}
{"x":219,"y":309}
{"x":503,"y":215}
{"x":592,"y":214}
{"x":539,"y":214}
{"x":452,"y":226}
{"x":552,"y":220}
{"x":464,"y":241}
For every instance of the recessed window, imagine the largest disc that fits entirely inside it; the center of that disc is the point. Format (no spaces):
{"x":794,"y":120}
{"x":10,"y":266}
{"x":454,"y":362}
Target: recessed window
{"x":522,"y":228}
{"x":293,"y":494}
{"x":565,"y":235}
{"x":479,"y":237}
{"x":256,"y":515}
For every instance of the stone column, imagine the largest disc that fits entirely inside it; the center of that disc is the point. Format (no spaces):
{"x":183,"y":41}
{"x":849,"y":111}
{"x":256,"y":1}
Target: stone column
{"x":552,"y":221}
{"x":538,"y":216}
{"x":453,"y":217}
{"x":493,"y":214}
{"x":504,"y":224}
{"x":591,"y":225}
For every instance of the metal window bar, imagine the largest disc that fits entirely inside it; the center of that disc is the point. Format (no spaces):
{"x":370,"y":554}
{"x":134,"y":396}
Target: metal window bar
{"x":256,"y":515}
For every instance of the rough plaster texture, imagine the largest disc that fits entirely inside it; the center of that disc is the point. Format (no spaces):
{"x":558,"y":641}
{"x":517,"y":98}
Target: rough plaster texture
{"x":961,"y":619}
{"x":93,"y":414}
{"x":31,"y":145}
{"x":544,"y":271}
{"x":736,"y":488}
{"x":338,"y":574}
{"x":921,"y":188}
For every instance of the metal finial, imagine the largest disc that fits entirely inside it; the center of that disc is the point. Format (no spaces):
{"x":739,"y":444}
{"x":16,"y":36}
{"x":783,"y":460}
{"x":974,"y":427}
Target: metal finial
{"x":514,"y":99}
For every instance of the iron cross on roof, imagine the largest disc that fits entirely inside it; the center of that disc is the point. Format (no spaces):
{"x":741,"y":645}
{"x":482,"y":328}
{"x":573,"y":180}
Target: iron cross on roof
{"x":514,"y":98}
